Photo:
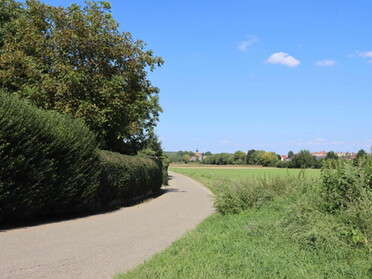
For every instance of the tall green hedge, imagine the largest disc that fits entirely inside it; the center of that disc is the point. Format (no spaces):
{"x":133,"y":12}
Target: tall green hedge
{"x":48,"y":162}
{"x":125,"y":177}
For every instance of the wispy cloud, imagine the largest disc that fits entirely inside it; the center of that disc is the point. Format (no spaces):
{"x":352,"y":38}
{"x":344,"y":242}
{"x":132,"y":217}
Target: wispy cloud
{"x":225,"y":141}
{"x":284,"y":59}
{"x":244,"y":45}
{"x":319,"y":141}
{"x":365,"y":54}
{"x":325,"y":63}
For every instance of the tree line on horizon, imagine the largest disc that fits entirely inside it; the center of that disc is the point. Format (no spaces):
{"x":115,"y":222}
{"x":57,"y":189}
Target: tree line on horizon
{"x":302,"y":159}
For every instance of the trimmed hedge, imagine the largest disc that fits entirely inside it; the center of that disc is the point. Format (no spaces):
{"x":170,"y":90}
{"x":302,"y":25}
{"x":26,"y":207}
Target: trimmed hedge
{"x":49,"y":165}
{"x":124,"y":177}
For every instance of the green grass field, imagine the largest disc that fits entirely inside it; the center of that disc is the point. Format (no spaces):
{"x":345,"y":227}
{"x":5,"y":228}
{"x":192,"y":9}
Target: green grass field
{"x":283,"y":236}
{"x":209,"y":176}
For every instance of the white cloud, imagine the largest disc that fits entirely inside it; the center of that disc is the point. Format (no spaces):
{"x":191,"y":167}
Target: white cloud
{"x":317,"y":141}
{"x":284,"y":59}
{"x":365,"y":54}
{"x":243,"y":46}
{"x":325,"y":63}
{"x":225,"y":142}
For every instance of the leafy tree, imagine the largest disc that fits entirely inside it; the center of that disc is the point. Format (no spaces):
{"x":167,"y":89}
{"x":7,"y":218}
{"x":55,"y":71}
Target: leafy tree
{"x":258,"y":156}
{"x":75,"y":61}
{"x":224,"y":159}
{"x":208,"y":153}
{"x":331,"y":155}
{"x":269,"y":159}
{"x":360,"y":157}
{"x":362,"y":154}
{"x":240,"y":157}
{"x":186,"y":158}
{"x":290,"y":154}
{"x":250,"y":157}
{"x":303,"y":159}
{"x":253,"y":157}
{"x":219,"y":159}
{"x":9,"y":11}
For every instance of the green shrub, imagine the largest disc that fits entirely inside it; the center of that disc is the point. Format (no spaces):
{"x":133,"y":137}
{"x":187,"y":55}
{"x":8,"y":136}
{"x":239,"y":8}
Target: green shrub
{"x":347,"y":192}
{"x":284,"y":164}
{"x":124,"y":177}
{"x":344,"y":184}
{"x":161,"y":158}
{"x":49,"y":165}
{"x":234,"y":197}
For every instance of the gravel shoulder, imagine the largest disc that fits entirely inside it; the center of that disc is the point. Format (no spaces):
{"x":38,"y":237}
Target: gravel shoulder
{"x":102,"y":245}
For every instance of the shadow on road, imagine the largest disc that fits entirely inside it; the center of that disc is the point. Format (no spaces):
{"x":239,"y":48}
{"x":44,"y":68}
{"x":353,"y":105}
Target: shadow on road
{"x":117,"y":206}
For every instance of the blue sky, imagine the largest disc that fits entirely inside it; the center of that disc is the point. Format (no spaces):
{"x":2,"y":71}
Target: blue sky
{"x":271,"y":75}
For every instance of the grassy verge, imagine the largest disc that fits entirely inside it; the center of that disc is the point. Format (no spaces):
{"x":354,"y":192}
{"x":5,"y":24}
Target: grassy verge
{"x":282,"y":234}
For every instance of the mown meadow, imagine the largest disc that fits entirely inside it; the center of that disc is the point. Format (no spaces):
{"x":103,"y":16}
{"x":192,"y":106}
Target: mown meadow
{"x":276,"y":224}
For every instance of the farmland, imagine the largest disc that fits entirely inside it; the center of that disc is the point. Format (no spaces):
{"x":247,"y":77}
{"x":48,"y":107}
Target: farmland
{"x":269,"y":223}
{"x":208,"y":175}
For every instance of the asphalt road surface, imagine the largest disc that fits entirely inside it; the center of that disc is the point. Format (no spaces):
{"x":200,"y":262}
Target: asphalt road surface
{"x":102,"y":245}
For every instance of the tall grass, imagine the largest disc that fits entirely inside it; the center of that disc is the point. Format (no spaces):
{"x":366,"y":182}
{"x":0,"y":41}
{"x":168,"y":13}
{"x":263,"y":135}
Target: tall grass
{"x":234,"y":197}
{"x":271,"y":227}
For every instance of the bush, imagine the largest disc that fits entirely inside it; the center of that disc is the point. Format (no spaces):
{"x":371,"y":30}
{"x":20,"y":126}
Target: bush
{"x":347,"y":191}
{"x":159,"y":157}
{"x":345,"y":184}
{"x":49,"y":165}
{"x":124,"y":177}
{"x":234,"y":197}
{"x":284,"y":164}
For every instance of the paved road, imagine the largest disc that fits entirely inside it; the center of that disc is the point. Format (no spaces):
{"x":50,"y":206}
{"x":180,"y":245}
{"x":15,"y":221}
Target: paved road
{"x":102,"y":245}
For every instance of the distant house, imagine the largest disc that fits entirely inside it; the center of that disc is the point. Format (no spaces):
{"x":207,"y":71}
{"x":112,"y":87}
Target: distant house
{"x":319,"y":154}
{"x":343,"y":155}
{"x":284,"y":158}
{"x":197,"y":157}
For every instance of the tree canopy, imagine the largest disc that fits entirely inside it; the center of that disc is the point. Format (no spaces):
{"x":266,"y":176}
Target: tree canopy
{"x":304,"y":159}
{"x":269,"y":159}
{"x":331,"y":155}
{"x":76,"y":61}
{"x":362,"y":154}
{"x":240,"y":157}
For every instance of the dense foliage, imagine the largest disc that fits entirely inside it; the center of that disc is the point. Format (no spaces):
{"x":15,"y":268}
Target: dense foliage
{"x":347,"y":191}
{"x":303,"y":159}
{"x":9,"y":10}
{"x":219,"y":159}
{"x":178,"y":157}
{"x":155,"y":152}
{"x":76,"y":61}
{"x":49,"y":165}
{"x":124,"y":177}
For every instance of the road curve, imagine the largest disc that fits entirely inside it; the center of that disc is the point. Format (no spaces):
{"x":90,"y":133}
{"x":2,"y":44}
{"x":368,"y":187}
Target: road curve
{"x":102,"y":245}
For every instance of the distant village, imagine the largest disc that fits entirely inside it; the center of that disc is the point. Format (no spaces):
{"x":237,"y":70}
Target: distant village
{"x":318,"y":155}
{"x":322,"y":154}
